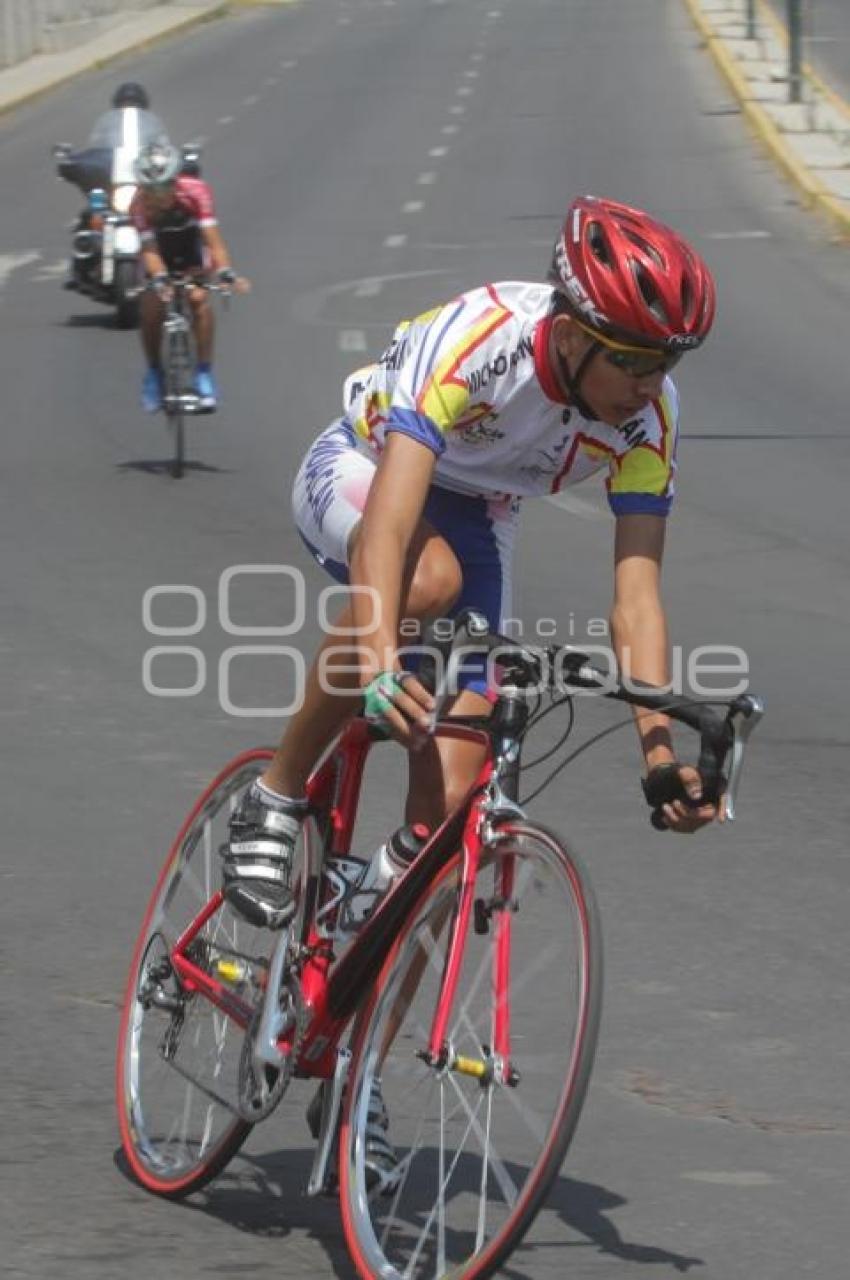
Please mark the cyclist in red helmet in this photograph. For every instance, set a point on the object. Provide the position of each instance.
(508, 391)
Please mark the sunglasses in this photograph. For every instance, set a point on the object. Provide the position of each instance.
(638, 362)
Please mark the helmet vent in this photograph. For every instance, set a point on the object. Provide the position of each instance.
(598, 244)
(650, 294)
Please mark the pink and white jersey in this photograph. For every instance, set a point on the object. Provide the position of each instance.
(193, 206)
(472, 381)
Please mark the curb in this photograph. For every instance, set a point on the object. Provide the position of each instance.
(143, 42)
(815, 193)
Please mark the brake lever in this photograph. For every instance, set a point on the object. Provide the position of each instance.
(745, 714)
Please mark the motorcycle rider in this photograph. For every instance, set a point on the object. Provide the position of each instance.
(114, 142)
(175, 217)
(105, 164)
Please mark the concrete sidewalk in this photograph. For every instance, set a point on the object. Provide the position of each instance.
(810, 139)
(132, 30)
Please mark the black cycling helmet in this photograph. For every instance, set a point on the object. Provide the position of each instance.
(131, 94)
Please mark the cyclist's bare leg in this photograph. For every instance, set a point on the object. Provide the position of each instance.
(432, 583)
(203, 320)
(151, 313)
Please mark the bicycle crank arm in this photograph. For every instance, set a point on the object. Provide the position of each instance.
(274, 1021)
(329, 1123)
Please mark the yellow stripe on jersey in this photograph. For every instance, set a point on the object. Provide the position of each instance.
(445, 396)
(648, 467)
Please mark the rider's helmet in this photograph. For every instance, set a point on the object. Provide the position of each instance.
(131, 94)
(158, 164)
(632, 279)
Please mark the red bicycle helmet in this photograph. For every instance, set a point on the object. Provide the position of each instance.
(632, 278)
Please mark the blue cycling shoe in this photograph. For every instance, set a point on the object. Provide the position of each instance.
(206, 391)
(152, 391)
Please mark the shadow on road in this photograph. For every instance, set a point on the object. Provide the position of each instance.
(91, 320)
(265, 1196)
(162, 467)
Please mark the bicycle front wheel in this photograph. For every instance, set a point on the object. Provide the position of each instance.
(479, 1137)
(178, 1052)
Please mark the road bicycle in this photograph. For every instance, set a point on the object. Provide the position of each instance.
(179, 398)
(470, 996)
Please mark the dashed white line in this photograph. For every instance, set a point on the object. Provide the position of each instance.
(225, 119)
(368, 288)
(737, 235)
(464, 91)
(426, 179)
(412, 206)
(437, 152)
(352, 340)
(395, 242)
(472, 75)
(476, 57)
(287, 66)
(10, 262)
(251, 100)
(449, 129)
(457, 111)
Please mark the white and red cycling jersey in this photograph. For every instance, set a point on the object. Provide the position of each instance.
(473, 382)
(193, 205)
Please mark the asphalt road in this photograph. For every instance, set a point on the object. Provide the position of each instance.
(371, 158)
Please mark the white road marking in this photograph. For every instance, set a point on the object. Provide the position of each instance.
(251, 100)
(737, 235)
(287, 66)
(733, 1178)
(472, 75)
(10, 262)
(457, 111)
(368, 288)
(395, 242)
(412, 206)
(51, 271)
(477, 57)
(426, 179)
(449, 129)
(577, 506)
(464, 91)
(352, 340)
(226, 119)
(437, 152)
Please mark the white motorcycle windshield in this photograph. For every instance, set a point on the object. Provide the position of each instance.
(124, 132)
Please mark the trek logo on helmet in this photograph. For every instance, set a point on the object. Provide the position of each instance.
(572, 286)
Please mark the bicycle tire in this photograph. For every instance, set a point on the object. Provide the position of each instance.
(160, 1152)
(384, 1228)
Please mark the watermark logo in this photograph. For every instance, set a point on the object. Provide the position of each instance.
(708, 671)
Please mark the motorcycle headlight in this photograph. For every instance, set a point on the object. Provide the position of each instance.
(122, 198)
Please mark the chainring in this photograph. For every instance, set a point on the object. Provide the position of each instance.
(260, 1092)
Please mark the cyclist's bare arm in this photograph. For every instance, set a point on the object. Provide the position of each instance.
(219, 255)
(392, 512)
(639, 635)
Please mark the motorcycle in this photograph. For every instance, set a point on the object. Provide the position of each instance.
(106, 250)
(105, 245)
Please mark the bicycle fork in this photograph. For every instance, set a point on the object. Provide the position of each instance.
(494, 1065)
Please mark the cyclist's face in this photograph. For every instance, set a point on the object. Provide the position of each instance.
(613, 393)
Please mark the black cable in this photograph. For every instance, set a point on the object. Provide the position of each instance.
(604, 733)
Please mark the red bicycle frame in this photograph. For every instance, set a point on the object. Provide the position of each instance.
(332, 992)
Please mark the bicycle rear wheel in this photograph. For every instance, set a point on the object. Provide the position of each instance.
(178, 1052)
(476, 1155)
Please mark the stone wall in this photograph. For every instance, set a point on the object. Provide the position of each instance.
(28, 27)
